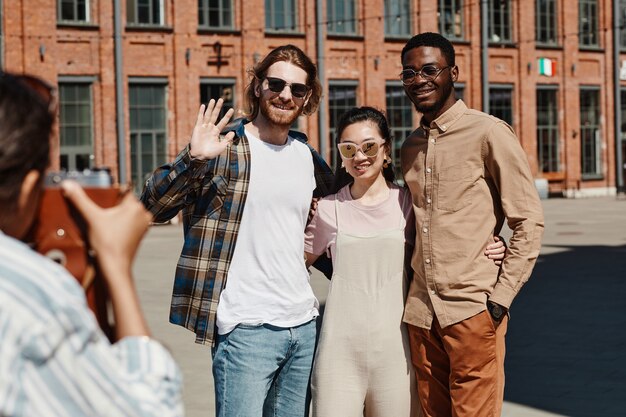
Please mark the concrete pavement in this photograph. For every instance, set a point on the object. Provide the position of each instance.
(567, 339)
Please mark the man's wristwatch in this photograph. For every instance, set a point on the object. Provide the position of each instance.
(496, 310)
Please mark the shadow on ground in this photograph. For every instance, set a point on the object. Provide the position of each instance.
(567, 337)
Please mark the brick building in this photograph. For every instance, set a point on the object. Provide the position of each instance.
(549, 71)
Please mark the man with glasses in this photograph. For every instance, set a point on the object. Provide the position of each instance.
(467, 172)
(241, 282)
(54, 359)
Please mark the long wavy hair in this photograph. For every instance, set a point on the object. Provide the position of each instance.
(357, 115)
(293, 55)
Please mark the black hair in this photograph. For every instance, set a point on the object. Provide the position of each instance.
(25, 126)
(356, 115)
(434, 40)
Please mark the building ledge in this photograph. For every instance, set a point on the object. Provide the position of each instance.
(206, 30)
(65, 24)
(149, 28)
(283, 34)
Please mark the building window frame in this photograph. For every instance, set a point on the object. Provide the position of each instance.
(78, 155)
(496, 108)
(546, 23)
(459, 91)
(448, 11)
(222, 84)
(588, 24)
(342, 18)
(548, 141)
(500, 22)
(80, 10)
(220, 16)
(350, 87)
(155, 13)
(154, 137)
(288, 13)
(590, 134)
(398, 22)
(399, 112)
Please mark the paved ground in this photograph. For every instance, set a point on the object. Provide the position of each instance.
(567, 338)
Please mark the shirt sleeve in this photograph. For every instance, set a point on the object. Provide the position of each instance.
(507, 165)
(321, 231)
(173, 185)
(69, 364)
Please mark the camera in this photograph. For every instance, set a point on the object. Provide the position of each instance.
(60, 233)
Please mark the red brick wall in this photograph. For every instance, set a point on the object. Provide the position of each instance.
(369, 58)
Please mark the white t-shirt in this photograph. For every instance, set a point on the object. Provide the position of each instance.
(268, 281)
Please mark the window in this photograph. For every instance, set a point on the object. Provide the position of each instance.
(622, 25)
(459, 91)
(341, 17)
(590, 133)
(451, 18)
(73, 10)
(500, 21)
(281, 15)
(588, 23)
(147, 130)
(145, 12)
(215, 14)
(546, 23)
(341, 97)
(397, 18)
(399, 116)
(76, 125)
(547, 130)
(501, 102)
(218, 88)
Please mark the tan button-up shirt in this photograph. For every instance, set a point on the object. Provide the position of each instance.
(466, 173)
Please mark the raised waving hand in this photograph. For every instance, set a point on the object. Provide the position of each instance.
(206, 142)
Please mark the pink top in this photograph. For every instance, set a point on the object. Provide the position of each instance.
(358, 219)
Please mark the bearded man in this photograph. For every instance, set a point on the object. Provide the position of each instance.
(245, 190)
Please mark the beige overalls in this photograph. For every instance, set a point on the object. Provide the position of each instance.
(362, 365)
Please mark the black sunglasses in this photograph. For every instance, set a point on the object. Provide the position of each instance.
(277, 85)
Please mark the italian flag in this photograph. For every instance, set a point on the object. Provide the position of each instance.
(546, 67)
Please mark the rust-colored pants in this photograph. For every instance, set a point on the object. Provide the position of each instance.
(460, 369)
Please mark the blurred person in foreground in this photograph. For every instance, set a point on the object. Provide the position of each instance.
(54, 359)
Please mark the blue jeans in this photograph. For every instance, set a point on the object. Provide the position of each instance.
(264, 371)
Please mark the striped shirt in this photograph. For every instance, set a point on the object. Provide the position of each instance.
(211, 195)
(55, 360)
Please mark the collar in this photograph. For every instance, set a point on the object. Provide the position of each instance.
(238, 126)
(448, 118)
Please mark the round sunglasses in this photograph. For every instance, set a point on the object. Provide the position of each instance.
(277, 85)
(348, 150)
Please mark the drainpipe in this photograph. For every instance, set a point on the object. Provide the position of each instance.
(321, 113)
(619, 157)
(119, 93)
(484, 53)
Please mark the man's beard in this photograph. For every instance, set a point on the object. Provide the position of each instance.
(445, 90)
(276, 117)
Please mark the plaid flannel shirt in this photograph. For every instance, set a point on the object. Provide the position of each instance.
(212, 196)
